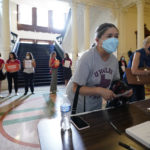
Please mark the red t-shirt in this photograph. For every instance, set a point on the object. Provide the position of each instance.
(1, 62)
(16, 61)
(52, 63)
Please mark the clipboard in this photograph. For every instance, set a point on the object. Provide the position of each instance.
(137, 79)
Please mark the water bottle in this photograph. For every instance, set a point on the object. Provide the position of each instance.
(65, 114)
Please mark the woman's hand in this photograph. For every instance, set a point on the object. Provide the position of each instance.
(107, 94)
(129, 94)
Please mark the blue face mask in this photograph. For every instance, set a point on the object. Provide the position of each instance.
(110, 45)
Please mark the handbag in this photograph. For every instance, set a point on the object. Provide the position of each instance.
(118, 87)
(137, 79)
(3, 75)
(75, 101)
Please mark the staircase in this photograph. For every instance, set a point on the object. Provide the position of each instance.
(41, 54)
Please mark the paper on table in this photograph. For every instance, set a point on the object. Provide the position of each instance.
(141, 133)
(123, 94)
(67, 64)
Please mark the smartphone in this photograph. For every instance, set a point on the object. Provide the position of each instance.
(79, 123)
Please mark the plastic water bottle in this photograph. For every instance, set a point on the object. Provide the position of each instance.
(65, 114)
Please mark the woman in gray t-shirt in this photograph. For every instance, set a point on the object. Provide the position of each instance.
(95, 71)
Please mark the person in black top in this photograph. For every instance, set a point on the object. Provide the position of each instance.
(122, 66)
(67, 63)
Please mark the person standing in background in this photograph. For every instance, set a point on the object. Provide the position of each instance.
(1, 73)
(53, 64)
(130, 53)
(29, 65)
(12, 67)
(140, 58)
(67, 63)
(122, 66)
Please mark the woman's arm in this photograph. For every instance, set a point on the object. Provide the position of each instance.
(51, 63)
(23, 63)
(33, 63)
(2, 66)
(135, 63)
(87, 91)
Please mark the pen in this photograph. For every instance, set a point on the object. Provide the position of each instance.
(126, 146)
(115, 128)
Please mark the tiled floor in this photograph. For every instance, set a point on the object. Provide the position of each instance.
(19, 116)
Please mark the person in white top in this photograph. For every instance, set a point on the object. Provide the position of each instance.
(29, 65)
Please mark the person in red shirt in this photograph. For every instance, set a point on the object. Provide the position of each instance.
(67, 63)
(53, 64)
(13, 74)
(122, 66)
(1, 73)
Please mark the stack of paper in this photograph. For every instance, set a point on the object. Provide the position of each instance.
(141, 133)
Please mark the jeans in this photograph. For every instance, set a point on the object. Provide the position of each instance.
(10, 77)
(29, 81)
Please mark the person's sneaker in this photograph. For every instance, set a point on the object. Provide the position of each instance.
(53, 92)
(25, 93)
(9, 94)
(1, 96)
(16, 94)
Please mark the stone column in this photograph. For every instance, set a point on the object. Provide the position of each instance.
(74, 35)
(122, 32)
(5, 29)
(5, 33)
(140, 23)
(86, 28)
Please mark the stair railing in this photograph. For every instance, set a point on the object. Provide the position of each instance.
(14, 42)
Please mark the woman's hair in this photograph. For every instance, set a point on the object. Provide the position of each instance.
(130, 53)
(30, 54)
(121, 57)
(146, 41)
(103, 28)
(67, 56)
(14, 55)
(52, 54)
(0, 54)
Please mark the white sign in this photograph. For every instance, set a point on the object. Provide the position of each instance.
(67, 64)
(28, 64)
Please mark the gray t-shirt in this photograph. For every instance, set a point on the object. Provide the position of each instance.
(92, 71)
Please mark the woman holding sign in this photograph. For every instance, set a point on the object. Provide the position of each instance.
(12, 67)
(29, 65)
(54, 64)
(67, 63)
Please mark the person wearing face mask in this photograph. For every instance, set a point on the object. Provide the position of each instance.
(122, 66)
(140, 58)
(29, 65)
(96, 70)
(12, 67)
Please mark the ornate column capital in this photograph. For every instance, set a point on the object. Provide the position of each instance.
(140, 2)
